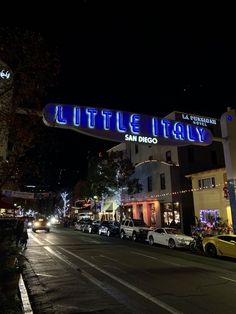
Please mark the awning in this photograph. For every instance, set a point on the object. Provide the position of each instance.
(6, 205)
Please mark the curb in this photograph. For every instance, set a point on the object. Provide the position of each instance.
(27, 309)
(37, 295)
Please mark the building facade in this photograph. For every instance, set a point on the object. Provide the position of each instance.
(166, 198)
(211, 198)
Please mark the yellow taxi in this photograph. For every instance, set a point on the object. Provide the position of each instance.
(220, 245)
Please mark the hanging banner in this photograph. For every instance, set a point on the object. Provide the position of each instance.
(18, 194)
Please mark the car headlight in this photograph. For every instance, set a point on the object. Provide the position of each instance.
(48, 224)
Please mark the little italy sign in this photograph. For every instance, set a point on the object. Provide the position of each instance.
(121, 126)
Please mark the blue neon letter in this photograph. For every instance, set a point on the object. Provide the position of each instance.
(119, 122)
(91, 112)
(178, 131)
(201, 134)
(106, 119)
(166, 125)
(59, 115)
(76, 116)
(190, 134)
(154, 127)
(134, 123)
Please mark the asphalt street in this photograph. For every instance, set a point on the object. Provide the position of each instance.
(69, 271)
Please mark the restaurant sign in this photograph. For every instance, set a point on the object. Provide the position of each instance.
(121, 126)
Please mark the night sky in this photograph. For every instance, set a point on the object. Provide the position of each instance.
(143, 59)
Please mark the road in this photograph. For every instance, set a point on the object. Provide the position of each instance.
(87, 273)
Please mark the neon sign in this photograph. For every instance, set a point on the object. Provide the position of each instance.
(4, 74)
(121, 126)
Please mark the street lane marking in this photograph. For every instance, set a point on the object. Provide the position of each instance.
(144, 294)
(49, 241)
(36, 239)
(60, 257)
(222, 277)
(158, 259)
(45, 275)
(109, 258)
(39, 242)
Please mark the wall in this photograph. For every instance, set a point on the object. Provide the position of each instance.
(211, 198)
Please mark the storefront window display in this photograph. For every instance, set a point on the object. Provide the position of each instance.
(171, 215)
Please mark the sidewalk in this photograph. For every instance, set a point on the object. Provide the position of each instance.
(33, 296)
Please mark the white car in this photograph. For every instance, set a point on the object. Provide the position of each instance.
(169, 237)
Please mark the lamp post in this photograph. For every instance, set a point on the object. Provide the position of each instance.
(228, 129)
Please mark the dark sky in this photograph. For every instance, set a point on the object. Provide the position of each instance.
(146, 59)
(142, 58)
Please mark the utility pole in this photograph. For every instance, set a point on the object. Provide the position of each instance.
(6, 94)
(228, 129)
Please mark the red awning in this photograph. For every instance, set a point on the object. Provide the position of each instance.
(6, 205)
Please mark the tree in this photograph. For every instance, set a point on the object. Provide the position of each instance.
(33, 68)
(110, 174)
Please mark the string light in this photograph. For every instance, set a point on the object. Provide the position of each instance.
(158, 196)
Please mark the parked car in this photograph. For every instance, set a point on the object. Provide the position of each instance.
(171, 237)
(85, 225)
(94, 226)
(134, 229)
(109, 228)
(79, 225)
(220, 245)
(41, 224)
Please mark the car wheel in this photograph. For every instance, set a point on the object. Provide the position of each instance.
(192, 246)
(171, 244)
(151, 240)
(134, 236)
(122, 234)
(211, 250)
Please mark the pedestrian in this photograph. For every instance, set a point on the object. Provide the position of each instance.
(19, 230)
(24, 238)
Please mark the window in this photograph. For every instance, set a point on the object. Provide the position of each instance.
(206, 183)
(162, 181)
(149, 183)
(227, 239)
(209, 215)
(136, 148)
(168, 156)
(159, 231)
